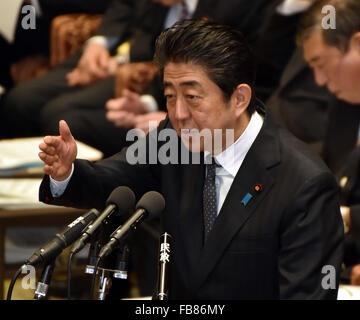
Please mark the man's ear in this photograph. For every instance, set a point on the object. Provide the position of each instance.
(355, 42)
(241, 98)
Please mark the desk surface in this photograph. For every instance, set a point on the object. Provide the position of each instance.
(39, 216)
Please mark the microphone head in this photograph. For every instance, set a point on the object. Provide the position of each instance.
(153, 202)
(123, 197)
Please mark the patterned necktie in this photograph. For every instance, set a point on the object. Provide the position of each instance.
(209, 199)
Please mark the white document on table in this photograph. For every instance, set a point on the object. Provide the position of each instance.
(9, 14)
(348, 292)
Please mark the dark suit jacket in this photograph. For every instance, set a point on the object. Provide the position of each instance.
(273, 247)
(341, 133)
(299, 104)
(348, 179)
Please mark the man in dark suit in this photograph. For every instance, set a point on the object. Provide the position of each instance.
(78, 89)
(257, 218)
(334, 55)
(291, 94)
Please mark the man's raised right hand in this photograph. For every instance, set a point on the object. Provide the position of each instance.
(58, 153)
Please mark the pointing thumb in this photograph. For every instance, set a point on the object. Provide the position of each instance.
(64, 130)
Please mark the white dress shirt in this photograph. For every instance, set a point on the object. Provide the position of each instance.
(232, 158)
(57, 188)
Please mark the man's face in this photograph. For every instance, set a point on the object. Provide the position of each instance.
(167, 3)
(194, 101)
(338, 70)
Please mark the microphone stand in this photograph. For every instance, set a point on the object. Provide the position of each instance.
(120, 272)
(92, 257)
(44, 282)
(122, 261)
(92, 264)
(104, 284)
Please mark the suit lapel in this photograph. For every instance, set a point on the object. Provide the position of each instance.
(257, 168)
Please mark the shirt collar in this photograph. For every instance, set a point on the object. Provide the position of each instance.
(232, 158)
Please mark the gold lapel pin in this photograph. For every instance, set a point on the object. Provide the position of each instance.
(258, 187)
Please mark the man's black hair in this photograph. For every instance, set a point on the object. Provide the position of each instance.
(220, 49)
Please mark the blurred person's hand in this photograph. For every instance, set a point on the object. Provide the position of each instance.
(58, 153)
(134, 76)
(95, 64)
(142, 121)
(129, 112)
(122, 111)
(128, 101)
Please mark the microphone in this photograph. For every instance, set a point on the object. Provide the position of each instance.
(62, 239)
(121, 199)
(164, 260)
(151, 203)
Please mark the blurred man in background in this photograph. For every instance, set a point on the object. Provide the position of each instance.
(333, 53)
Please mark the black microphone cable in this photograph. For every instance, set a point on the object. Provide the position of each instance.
(13, 280)
(69, 276)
